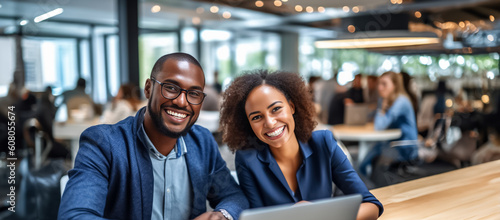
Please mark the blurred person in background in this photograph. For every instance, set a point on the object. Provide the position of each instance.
(217, 85)
(396, 111)
(491, 149)
(77, 99)
(433, 107)
(312, 87)
(124, 104)
(336, 107)
(412, 91)
(355, 93)
(325, 91)
(371, 96)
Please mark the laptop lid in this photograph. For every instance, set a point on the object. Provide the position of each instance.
(338, 208)
(356, 114)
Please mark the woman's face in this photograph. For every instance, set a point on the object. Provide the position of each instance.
(270, 116)
(385, 86)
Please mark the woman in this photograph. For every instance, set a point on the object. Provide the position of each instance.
(269, 118)
(396, 111)
(125, 103)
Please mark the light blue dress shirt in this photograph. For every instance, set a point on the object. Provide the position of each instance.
(172, 198)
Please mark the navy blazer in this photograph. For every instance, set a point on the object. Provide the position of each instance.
(323, 163)
(113, 175)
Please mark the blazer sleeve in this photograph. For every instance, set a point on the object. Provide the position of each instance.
(87, 187)
(224, 192)
(344, 175)
(247, 182)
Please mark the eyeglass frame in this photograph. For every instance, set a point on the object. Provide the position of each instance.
(180, 91)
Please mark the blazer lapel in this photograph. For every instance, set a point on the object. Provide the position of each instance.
(197, 177)
(144, 168)
(265, 156)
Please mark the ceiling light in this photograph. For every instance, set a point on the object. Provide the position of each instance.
(355, 9)
(399, 2)
(492, 18)
(309, 9)
(259, 3)
(298, 8)
(418, 14)
(351, 28)
(485, 98)
(394, 2)
(490, 37)
(321, 9)
(23, 22)
(226, 15)
(449, 103)
(48, 15)
(461, 24)
(200, 10)
(284, 0)
(156, 9)
(345, 8)
(214, 9)
(490, 75)
(196, 20)
(278, 3)
(375, 42)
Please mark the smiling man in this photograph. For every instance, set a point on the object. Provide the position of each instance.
(158, 164)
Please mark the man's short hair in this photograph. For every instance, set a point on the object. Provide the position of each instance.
(81, 83)
(176, 56)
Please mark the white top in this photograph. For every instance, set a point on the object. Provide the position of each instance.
(122, 110)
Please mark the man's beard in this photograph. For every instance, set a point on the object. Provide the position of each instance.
(159, 123)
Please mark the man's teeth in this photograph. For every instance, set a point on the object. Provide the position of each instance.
(276, 133)
(175, 114)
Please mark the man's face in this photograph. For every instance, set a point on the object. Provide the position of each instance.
(174, 117)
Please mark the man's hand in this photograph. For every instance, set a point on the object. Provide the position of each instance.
(211, 216)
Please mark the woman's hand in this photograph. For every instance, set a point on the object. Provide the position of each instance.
(367, 210)
(302, 202)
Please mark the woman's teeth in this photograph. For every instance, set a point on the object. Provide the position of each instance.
(175, 114)
(276, 133)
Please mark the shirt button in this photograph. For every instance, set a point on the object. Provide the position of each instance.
(168, 190)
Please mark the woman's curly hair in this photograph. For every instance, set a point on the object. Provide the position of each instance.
(237, 132)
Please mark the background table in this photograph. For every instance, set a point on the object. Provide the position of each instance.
(71, 131)
(467, 193)
(363, 134)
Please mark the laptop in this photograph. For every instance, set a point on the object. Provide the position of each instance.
(356, 114)
(338, 208)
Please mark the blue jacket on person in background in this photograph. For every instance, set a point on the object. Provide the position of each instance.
(400, 116)
(324, 163)
(113, 175)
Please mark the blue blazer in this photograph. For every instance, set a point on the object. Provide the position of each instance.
(113, 175)
(324, 163)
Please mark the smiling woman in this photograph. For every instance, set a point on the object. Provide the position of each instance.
(268, 117)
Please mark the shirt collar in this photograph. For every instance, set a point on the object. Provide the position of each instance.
(179, 149)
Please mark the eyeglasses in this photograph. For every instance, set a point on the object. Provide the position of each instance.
(172, 91)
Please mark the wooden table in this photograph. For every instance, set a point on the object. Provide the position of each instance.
(468, 193)
(363, 134)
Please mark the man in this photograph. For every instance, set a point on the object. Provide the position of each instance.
(158, 164)
(355, 93)
(76, 98)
